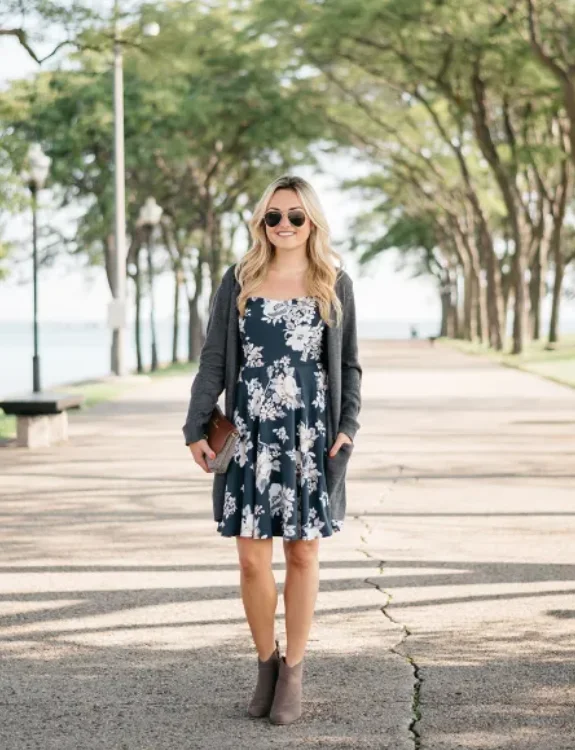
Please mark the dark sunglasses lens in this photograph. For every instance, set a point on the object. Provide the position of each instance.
(297, 218)
(273, 218)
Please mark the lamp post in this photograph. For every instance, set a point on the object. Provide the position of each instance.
(117, 309)
(149, 218)
(35, 174)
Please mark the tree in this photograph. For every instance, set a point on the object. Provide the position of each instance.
(207, 124)
(495, 111)
(31, 21)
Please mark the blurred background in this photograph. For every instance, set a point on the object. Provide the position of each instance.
(440, 137)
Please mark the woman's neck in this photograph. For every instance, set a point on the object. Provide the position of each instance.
(291, 263)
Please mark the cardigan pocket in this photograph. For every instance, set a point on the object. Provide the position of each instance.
(336, 468)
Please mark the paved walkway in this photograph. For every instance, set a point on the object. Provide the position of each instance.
(445, 617)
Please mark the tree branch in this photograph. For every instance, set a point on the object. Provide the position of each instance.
(22, 38)
(536, 44)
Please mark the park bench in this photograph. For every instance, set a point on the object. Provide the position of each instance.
(41, 418)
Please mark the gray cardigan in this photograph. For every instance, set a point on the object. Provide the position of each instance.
(220, 360)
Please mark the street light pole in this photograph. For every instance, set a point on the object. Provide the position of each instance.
(118, 315)
(34, 175)
(150, 215)
(117, 312)
(154, 344)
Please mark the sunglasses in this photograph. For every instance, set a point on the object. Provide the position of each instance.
(295, 215)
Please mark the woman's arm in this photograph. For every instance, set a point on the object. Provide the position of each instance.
(209, 381)
(351, 370)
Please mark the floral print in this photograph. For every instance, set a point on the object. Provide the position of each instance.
(275, 483)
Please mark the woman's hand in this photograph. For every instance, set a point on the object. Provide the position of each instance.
(339, 441)
(198, 450)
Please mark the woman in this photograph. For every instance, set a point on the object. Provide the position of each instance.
(282, 341)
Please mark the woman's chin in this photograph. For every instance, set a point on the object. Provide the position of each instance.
(288, 243)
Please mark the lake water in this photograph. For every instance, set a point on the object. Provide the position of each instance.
(70, 352)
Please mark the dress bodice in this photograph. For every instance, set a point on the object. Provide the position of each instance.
(296, 329)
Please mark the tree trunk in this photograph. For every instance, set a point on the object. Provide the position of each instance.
(556, 250)
(535, 296)
(456, 326)
(506, 291)
(539, 267)
(445, 307)
(153, 338)
(469, 304)
(557, 287)
(493, 310)
(494, 301)
(450, 301)
(138, 317)
(194, 330)
(176, 321)
(483, 321)
(195, 334)
(506, 182)
(452, 329)
(519, 295)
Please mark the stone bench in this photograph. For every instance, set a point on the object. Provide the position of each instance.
(41, 418)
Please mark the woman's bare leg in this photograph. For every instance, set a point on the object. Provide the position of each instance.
(259, 592)
(300, 594)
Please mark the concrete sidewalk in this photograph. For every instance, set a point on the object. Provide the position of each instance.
(445, 617)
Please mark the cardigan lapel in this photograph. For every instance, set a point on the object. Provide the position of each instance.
(333, 344)
(232, 352)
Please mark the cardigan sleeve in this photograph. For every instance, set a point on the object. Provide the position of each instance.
(351, 370)
(209, 381)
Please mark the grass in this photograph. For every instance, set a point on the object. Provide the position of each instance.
(96, 391)
(556, 363)
(180, 368)
(7, 426)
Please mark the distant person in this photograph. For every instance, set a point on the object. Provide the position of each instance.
(288, 312)
(413, 332)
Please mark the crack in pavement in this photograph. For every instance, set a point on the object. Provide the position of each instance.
(398, 647)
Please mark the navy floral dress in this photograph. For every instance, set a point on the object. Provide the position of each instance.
(275, 483)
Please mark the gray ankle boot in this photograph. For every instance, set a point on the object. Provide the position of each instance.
(263, 696)
(287, 700)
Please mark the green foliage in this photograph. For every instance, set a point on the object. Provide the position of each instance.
(404, 84)
(4, 252)
(211, 115)
(36, 22)
(460, 110)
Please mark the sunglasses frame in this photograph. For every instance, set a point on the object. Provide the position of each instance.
(281, 215)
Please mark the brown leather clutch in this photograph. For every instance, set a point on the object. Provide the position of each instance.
(222, 436)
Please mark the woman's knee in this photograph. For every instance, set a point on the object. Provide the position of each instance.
(254, 556)
(302, 554)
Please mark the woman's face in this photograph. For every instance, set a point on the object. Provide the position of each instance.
(286, 235)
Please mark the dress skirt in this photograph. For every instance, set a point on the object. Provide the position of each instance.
(275, 483)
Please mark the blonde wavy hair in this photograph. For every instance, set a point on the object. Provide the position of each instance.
(321, 275)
